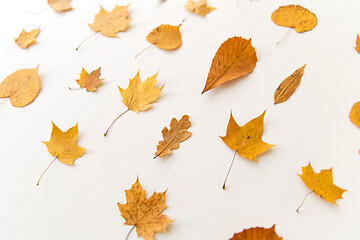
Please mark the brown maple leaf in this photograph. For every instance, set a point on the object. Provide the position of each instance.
(90, 81)
(172, 138)
(144, 213)
(235, 58)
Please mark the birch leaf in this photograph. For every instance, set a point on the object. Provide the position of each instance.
(165, 37)
(60, 5)
(257, 233)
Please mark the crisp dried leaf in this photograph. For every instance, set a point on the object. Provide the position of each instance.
(355, 114)
(357, 44)
(321, 183)
(172, 138)
(62, 145)
(235, 58)
(294, 16)
(138, 96)
(25, 39)
(110, 23)
(60, 5)
(200, 7)
(165, 36)
(21, 87)
(144, 213)
(288, 86)
(257, 233)
(246, 140)
(90, 81)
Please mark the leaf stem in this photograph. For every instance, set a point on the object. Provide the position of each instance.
(38, 182)
(297, 210)
(143, 50)
(232, 162)
(12, 48)
(3, 101)
(92, 35)
(115, 121)
(286, 33)
(74, 88)
(40, 11)
(127, 236)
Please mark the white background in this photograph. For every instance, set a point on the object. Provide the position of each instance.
(79, 202)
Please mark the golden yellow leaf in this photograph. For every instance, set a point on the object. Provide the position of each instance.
(60, 5)
(235, 58)
(294, 16)
(288, 86)
(25, 39)
(90, 81)
(165, 36)
(21, 87)
(110, 23)
(178, 133)
(355, 114)
(357, 44)
(62, 145)
(246, 140)
(144, 213)
(321, 183)
(138, 96)
(257, 233)
(200, 7)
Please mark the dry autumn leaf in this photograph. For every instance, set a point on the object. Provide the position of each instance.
(321, 183)
(173, 137)
(200, 7)
(144, 213)
(288, 86)
(355, 114)
(90, 81)
(294, 16)
(110, 23)
(257, 233)
(165, 37)
(235, 58)
(357, 47)
(25, 39)
(62, 146)
(246, 140)
(60, 5)
(21, 87)
(138, 96)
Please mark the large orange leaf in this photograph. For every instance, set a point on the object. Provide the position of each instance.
(257, 233)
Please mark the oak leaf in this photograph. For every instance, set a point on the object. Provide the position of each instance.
(144, 213)
(21, 87)
(62, 145)
(357, 47)
(257, 233)
(138, 96)
(288, 86)
(172, 138)
(235, 58)
(60, 5)
(355, 114)
(25, 39)
(200, 7)
(165, 37)
(90, 81)
(247, 139)
(321, 183)
(110, 23)
(294, 16)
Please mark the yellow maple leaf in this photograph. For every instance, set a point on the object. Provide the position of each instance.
(25, 39)
(110, 23)
(246, 140)
(172, 138)
(288, 86)
(321, 183)
(236, 57)
(200, 7)
(90, 81)
(357, 47)
(144, 213)
(257, 233)
(21, 87)
(60, 5)
(165, 37)
(294, 16)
